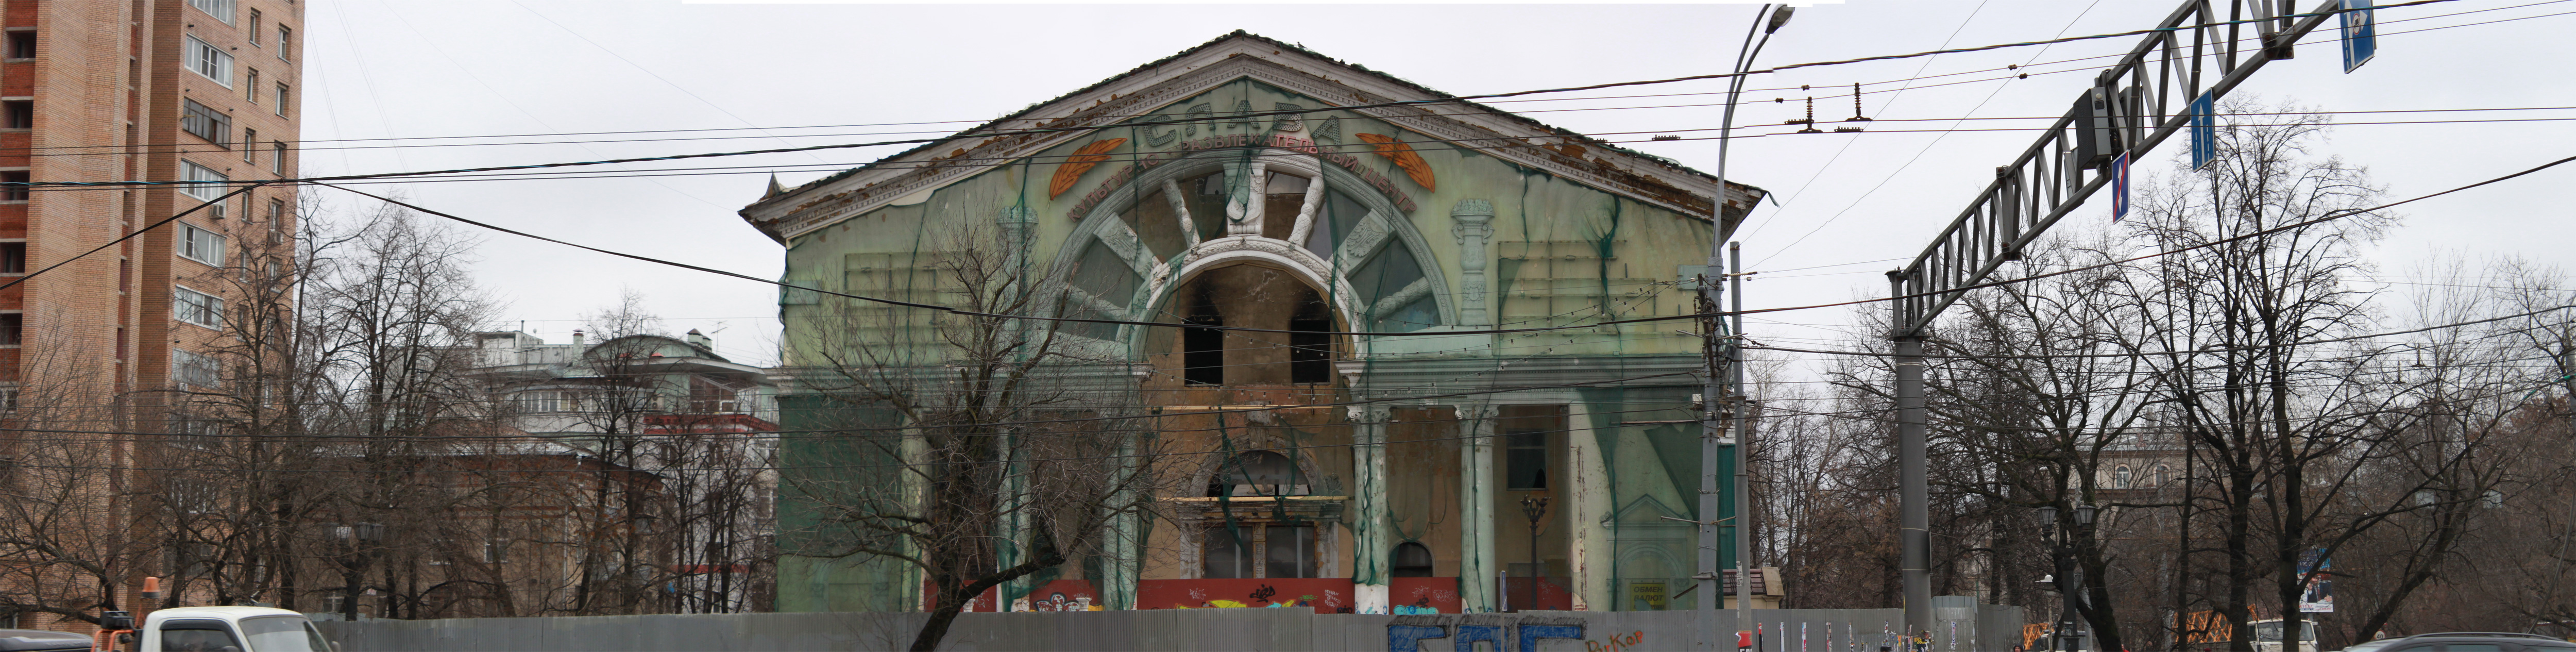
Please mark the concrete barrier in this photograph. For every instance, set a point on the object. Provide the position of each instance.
(1784, 630)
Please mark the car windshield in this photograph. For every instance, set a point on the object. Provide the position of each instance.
(283, 634)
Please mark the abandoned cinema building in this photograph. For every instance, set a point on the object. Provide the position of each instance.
(1249, 183)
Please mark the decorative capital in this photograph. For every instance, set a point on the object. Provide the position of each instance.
(1474, 218)
(1472, 208)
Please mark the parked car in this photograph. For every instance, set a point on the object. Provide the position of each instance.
(2475, 642)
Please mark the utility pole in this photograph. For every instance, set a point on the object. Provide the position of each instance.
(1743, 444)
(1713, 438)
(2131, 107)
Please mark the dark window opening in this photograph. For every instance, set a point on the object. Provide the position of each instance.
(1526, 454)
(12, 325)
(13, 258)
(13, 192)
(1525, 433)
(1310, 345)
(22, 45)
(1412, 559)
(1203, 349)
(21, 114)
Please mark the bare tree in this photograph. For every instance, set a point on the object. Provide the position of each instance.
(995, 447)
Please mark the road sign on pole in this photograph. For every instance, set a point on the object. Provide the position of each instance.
(2204, 131)
(2120, 187)
(2360, 34)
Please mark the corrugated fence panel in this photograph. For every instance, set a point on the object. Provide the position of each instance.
(1820, 630)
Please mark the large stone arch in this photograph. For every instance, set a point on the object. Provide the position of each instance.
(1157, 279)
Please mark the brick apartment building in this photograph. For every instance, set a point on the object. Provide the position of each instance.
(163, 90)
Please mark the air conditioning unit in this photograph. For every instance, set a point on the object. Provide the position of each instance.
(214, 211)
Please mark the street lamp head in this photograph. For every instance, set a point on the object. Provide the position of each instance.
(2047, 515)
(2084, 514)
(1779, 17)
(1534, 506)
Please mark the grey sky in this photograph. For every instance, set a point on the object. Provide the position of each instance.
(380, 68)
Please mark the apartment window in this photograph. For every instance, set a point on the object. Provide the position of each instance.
(13, 192)
(21, 114)
(276, 221)
(196, 369)
(205, 122)
(201, 245)
(281, 99)
(277, 156)
(22, 44)
(220, 9)
(496, 552)
(8, 403)
(251, 89)
(12, 327)
(203, 182)
(197, 308)
(253, 29)
(13, 258)
(2120, 477)
(285, 40)
(250, 154)
(210, 61)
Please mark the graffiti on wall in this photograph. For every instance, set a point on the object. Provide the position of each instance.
(1497, 632)
(1323, 595)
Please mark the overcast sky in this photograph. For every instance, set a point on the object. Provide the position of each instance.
(811, 74)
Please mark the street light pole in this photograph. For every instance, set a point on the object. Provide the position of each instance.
(2069, 576)
(1534, 506)
(1713, 434)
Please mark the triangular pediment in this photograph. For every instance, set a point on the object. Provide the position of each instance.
(1218, 90)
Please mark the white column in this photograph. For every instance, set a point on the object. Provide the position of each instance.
(1476, 556)
(1118, 564)
(1369, 520)
(1587, 502)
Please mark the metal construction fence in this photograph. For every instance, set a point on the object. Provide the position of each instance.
(1783, 630)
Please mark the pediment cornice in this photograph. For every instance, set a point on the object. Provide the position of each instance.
(1493, 132)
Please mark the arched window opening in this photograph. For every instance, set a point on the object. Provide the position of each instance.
(1286, 194)
(1335, 220)
(1106, 284)
(2161, 474)
(1412, 559)
(1252, 296)
(1257, 473)
(2120, 477)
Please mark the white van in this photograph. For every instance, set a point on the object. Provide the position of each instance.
(230, 629)
(2267, 636)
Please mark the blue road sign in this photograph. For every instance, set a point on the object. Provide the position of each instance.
(2360, 34)
(2120, 187)
(2204, 131)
